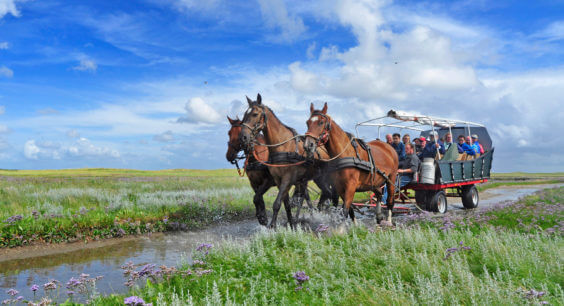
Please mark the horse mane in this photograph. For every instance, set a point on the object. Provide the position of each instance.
(254, 103)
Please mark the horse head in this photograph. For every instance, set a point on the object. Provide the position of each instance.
(318, 128)
(253, 122)
(234, 144)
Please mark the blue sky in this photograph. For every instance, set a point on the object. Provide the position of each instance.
(147, 84)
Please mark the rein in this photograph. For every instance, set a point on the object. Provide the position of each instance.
(276, 165)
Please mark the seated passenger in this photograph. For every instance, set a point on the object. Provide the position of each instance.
(419, 144)
(448, 141)
(389, 139)
(406, 139)
(470, 148)
(432, 146)
(460, 143)
(407, 171)
(398, 146)
(475, 141)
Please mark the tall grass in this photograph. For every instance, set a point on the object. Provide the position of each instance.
(480, 262)
(53, 209)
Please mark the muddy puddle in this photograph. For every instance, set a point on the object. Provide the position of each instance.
(24, 267)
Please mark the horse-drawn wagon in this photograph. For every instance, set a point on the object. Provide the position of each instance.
(448, 175)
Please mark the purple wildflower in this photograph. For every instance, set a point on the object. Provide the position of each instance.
(322, 228)
(49, 286)
(20, 298)
(300, 277)
(134, 301)
(13, 219)
(165, 219)
(12, 292)
(204, 248)
(70, 293)
(34, 288)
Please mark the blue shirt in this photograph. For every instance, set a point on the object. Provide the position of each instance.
(430, 150)
(400, 149)
(470, 149)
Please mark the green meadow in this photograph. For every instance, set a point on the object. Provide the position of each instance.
(510, 254)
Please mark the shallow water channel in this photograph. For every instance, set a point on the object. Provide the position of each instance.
(23, 267)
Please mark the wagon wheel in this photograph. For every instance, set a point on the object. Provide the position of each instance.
(470, 198)
(438, 203)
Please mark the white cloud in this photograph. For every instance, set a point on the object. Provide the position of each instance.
(85, 148)
(198, 111)
(6, 72)
(8, 7)
(4, 45)
(31, 150)
(167, 136)
(2, 109)
(81, 148)
(310, 50)
(554, 31)
(276, 16)
(47, 111)
(86, 65)
(4, 129)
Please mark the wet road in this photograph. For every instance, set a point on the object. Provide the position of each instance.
(23, 267)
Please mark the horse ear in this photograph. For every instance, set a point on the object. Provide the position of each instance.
(324, 110)
(259, 99)
(311, 108)
(249, 101)
(231, 121)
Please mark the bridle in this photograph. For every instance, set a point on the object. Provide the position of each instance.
(239, 157)
(258, 126)
(324, 135)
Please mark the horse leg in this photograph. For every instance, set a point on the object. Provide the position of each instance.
(348, 199)
(391, 195)
(258, 200)
(308, 201)
(283, 189)
(326, 192)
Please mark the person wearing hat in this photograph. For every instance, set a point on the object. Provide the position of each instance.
(475, 141)
(419, 145)
(432, 146)
(469, 147)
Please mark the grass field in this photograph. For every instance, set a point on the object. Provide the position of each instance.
(68, 205)
(38, 206)
(511, 254)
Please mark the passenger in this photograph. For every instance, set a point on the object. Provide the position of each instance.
(430, 149)
(470, 148)
(448, 140)
(389, 139)
(407, 171)
(419, 145)
(406, 139)
(475, 141)
(460, 143)
(398, 146)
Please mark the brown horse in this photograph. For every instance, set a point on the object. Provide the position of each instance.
(283, 143)
(258, 174)
(321, 129)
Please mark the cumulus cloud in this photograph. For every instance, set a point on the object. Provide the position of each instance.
(198, 111)
(167, 136)
(276, 16)
(86, 65)
(85, 148)
(4, 45)
(6, 72)
(81, 148)
(8, 7)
